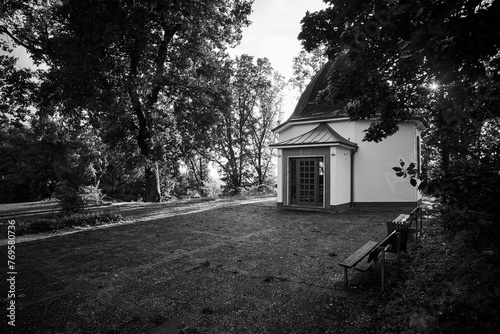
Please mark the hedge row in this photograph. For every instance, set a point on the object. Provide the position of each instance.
(45, 224)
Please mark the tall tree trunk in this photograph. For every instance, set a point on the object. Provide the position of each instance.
(152, 184)
(151, 170)
(145, 145)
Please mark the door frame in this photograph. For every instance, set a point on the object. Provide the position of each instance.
(319, 204)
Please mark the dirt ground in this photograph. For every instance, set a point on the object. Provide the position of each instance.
(213, 267)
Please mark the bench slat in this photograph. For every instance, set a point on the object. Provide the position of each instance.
(358, 255)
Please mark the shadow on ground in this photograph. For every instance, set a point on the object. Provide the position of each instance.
(235, 268)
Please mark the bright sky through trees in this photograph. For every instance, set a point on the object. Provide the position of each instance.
(273, 34)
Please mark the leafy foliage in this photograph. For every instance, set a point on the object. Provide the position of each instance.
(17, 87)
(449, 285)
(47, 152)
(386, 53)
(25, 173)
(469, 193)
(427, 61)
(149, 70)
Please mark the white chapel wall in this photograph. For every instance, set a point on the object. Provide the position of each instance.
(340, 182)
(374, 179)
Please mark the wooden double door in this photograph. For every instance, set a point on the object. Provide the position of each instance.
(307, 181)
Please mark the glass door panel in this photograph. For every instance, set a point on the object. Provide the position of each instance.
(306, 181)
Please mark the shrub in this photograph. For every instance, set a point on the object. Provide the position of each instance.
(259, 190)
(69, 199)
(91, 195)
(73, 201)
(45, 224)
(39, 226)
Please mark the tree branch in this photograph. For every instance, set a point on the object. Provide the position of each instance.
(19, 42)
(160, 81)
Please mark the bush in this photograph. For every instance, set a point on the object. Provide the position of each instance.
(45, 224)
(259, 190)
(73, 201)
(69, 199)
(91, 195)
(36, 226)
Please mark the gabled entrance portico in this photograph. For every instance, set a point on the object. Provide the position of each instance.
(310, 161)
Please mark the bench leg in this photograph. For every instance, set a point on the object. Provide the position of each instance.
(382, 271)
(345, 277)
(418, 216)
(421, 222)
(398, 240)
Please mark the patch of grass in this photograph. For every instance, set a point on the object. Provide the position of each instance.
(54, 222)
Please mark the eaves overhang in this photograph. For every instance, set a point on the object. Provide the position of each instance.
(301, 121)
(352, 147)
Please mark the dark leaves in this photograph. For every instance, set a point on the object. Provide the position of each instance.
(409, 171)
(413, 182)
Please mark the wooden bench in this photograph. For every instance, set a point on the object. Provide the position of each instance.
(403, 223)
(368, 256)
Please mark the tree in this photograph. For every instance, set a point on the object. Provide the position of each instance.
(249, 112)
(232, 131)
(21, 178)
(197, 167)
(45, 152)
(264, 119)
(386, 53)
(132, 68)
(397, 60)
(305, 66)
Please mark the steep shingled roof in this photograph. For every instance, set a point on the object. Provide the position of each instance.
(312, 107)
(323, 134)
